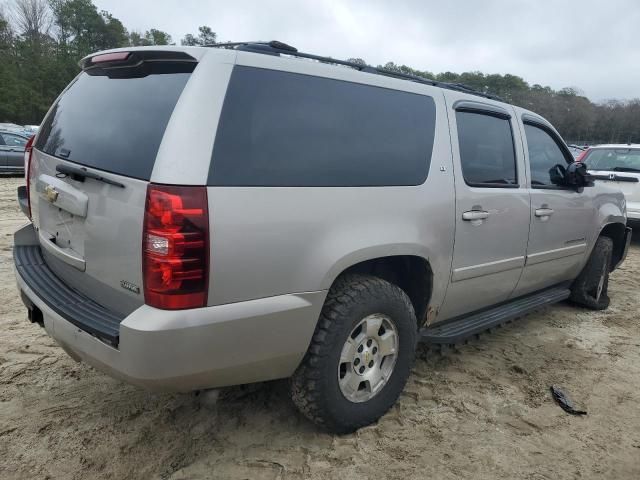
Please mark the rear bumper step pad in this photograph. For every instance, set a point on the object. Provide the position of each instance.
(458, 330)
(68, 303)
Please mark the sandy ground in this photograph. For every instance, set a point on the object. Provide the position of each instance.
(483, 411)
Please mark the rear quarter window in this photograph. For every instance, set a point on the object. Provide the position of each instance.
(112, 124)
(286, 129)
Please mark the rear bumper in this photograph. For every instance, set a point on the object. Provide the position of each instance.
(184, 350)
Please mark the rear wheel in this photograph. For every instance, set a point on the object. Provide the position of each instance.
(591, 287)
(360, 356)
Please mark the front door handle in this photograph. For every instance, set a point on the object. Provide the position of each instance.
(544, 212)
(472, 215)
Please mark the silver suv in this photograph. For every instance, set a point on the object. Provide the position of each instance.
(203, 217)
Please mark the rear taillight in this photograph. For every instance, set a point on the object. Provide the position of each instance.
(175, 247)
(580, 157)
(28, 152)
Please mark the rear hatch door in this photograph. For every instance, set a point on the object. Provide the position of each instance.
(92, 161)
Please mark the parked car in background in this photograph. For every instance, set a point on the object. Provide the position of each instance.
(619, 165)
(12, 151)
(32, 128)
(12, 127)
(27, 130)
(315, 224)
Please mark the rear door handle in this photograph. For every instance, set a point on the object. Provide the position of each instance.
(472, 215)
(544, 212)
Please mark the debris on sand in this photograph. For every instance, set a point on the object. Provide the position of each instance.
(564, 401)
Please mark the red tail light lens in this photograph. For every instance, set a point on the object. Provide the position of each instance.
(28, 151)
(175, 246)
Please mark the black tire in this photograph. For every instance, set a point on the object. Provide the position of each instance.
(315, 388)
(594, 277)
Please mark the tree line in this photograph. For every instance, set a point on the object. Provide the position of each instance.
(41, 42)
(576, 117)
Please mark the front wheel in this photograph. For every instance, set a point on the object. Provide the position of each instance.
(591, 287)
(360, 356)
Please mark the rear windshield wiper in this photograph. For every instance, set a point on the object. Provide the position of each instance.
(80, 174)
(626, 169)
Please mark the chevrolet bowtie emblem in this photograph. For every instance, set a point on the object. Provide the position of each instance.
(51, 193)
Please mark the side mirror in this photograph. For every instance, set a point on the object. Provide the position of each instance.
(577, 176)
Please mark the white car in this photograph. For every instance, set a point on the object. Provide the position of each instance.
(618, 164)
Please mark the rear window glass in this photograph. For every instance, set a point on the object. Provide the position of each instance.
(616, 159)
(112, 124)
(286, 129)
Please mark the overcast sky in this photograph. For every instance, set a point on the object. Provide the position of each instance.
(590, 44)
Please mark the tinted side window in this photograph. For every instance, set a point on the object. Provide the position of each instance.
(546, 160)
(286, 129)
(112, 124)
(486, 150)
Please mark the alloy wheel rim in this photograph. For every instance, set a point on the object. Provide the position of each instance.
(368, 358)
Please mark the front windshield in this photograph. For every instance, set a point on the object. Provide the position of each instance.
(616, 159)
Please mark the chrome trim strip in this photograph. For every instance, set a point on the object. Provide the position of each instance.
(497, 266)
(547, 256)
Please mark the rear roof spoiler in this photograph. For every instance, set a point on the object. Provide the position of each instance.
(136, 63)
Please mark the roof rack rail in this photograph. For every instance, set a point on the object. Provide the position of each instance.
(275, 47)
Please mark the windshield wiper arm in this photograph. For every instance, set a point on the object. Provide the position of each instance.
(80, 174)
(626, 169)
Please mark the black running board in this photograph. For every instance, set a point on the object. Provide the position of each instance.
(458, 330)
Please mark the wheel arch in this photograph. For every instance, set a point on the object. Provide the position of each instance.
(616, 232)
(410, 272)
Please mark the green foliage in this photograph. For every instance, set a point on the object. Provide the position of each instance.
(357, 61)
(407, 70)
(80, 29)
(8, 73)
(150, 37)
(205, 36)
(574, 115)
(41, 44)
(40, 49)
